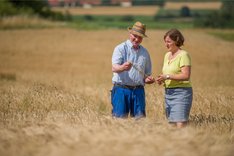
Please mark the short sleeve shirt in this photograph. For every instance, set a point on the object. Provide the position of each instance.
(174, 67)
(141, 61)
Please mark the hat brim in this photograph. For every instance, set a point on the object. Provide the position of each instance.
(136, 33)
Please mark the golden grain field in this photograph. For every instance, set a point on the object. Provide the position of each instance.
(193, 5)
(55, 101)
(102, 10)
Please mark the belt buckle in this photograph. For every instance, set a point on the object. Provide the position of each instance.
(127, 86)
(132, 87)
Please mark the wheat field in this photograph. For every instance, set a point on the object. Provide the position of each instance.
(193, 5)
(55, 100)
(103, 10)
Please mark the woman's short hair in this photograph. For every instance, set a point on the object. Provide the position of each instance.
(176, 36)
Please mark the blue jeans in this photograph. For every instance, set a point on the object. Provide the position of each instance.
(125, 101)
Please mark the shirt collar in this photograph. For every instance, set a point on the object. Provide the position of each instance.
(129, 43)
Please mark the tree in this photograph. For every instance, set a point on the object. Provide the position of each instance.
(149, 2)
(228, 8)
(36, 5)
(219, 19)
(185, 11)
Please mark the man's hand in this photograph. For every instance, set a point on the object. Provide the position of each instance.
(149, 80)
(126, 66)
(123, 67)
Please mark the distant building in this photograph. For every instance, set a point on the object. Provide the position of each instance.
(53, 2)
(91, 2)
(120, 1)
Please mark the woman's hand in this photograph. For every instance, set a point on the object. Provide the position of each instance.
(160, 79)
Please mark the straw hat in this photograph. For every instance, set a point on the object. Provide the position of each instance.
(138, 29)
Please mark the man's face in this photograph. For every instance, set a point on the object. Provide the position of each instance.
(136, 40)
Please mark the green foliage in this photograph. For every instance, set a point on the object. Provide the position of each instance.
(218, 19)
(185, 11)
(207, 21)
(106, 2)
(149, 2)
(48, 14)
(228, 7)
(123, 22)
(88, 17)
(215, 20)
(34, 7)
(228, 36)
(193, 0)
(6, 8)
(127, 18)
(166, 14)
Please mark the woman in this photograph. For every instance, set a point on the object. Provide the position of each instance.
(176, 79)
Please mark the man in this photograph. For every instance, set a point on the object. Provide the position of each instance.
(131, 66)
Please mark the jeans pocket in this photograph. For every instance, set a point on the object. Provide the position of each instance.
(112, 91)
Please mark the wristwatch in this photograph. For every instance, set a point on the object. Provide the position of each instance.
(167, 77)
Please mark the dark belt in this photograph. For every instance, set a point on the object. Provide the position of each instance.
(129, 87)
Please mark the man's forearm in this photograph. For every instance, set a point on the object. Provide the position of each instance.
(117, 68)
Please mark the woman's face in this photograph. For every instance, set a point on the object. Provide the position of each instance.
(136, 40)
(170, 44)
